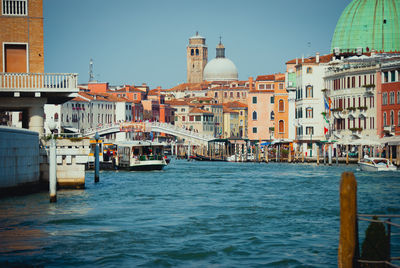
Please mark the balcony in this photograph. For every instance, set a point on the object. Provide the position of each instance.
(58, 88)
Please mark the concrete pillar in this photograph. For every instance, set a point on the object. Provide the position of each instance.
(53, 171)
(348, 239)
(36, 118)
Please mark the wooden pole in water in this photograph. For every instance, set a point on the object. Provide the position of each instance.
(302, 155)
(348, 240)
(390, 154)
(330, 155)
(289, 154)
(317, 155)
(347, 154)
(398, 154)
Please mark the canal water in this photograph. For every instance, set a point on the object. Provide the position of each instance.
(193, 214)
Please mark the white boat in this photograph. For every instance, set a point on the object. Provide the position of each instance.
(376, 164)
(140, 156)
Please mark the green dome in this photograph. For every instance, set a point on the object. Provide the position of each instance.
(373, 24)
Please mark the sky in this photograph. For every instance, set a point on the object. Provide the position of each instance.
(144, 41)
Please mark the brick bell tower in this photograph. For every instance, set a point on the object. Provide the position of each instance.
(197, 55)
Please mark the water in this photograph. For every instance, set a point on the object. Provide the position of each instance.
(193, 214)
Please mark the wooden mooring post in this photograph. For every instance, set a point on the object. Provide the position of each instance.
(348, 251)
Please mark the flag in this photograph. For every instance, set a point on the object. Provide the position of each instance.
(326, 120)
(330, 105)
(326, 104)
(325, 130)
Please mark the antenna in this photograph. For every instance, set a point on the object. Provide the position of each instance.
(91, 75)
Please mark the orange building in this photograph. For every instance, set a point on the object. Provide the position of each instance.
(281, 108)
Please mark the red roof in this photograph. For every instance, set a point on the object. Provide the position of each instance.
(322, 59)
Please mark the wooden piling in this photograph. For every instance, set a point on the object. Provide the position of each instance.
(347, 154)
(289, 155)
(317, 155)
(348, 240)
(302, 156)
(390, 154)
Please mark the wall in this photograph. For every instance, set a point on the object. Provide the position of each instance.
(25, 29)
(19, 157)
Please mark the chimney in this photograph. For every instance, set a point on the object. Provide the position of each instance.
(297, 61)
(302, 59)
(317, 57)
(250, 83)
(373, 52)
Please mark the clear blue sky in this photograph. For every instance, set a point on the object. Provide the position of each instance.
(144, 41)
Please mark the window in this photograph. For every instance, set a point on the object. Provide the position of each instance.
(15, 7)
(216, 94)
(384, 120)
(191, 118)
(391, 100)
(225, 94)
(183, 118)
(309, 130)
(309, 91)
(398, 97)
(56, 117)
(254, 130)
(254, 100)
(238, 94)
(192, 52)
(261, 86)
(254, 115)
(281, 106)
(281, 126)
(309, 70)
(280, 85)
(198, 118)
(391, 118)
(197, 51)
(309, 112)
(231, 94)
(272, 116)
(182, 109)
(272, 99)
(384, 98)
(398, 118)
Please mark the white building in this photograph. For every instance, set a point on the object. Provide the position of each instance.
(89, 111)
(309, 105)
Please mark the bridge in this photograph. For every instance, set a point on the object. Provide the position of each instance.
(189, 136)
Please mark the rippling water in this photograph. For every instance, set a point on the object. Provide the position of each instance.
(193, 214)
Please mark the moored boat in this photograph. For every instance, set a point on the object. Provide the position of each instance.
(376, 164)
(141, 156)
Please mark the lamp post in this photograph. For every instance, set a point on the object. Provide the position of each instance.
(53, 164)
(96, 158)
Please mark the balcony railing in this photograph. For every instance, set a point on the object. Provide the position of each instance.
(15, 7)
(31, 81)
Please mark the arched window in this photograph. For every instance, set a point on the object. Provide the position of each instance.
(192, 52)
(197, 51)
(391, 118)
(309, 92)
(398, 97)
(254, 115)
(384, 119)
(281, 106)
(56, 117)
(398, 118)
(272, 115)
(281, 126)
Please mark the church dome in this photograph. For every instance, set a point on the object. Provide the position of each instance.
(220, 69)
(372, 24)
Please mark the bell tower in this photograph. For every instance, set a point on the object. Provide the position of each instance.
(197, 55)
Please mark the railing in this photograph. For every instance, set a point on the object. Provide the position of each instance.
(27, 81)
(389, 223)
